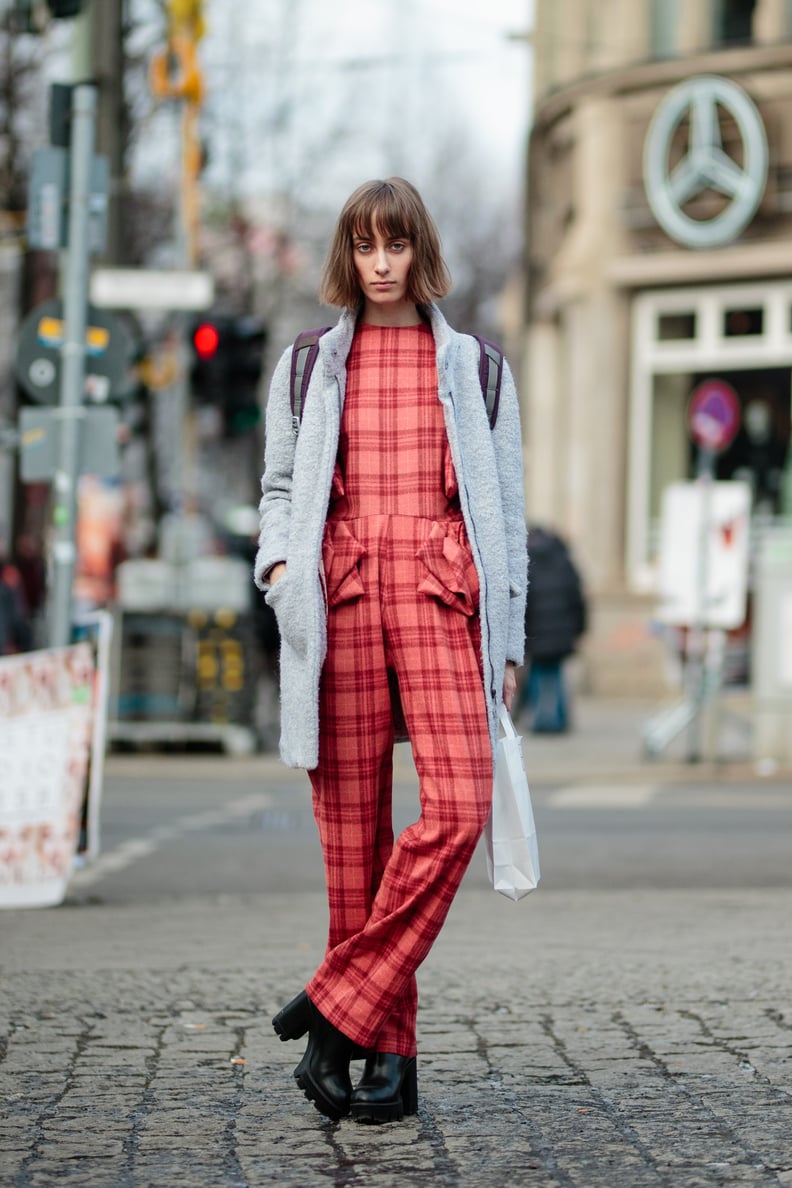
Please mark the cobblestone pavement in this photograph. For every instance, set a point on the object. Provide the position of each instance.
(607, 1039)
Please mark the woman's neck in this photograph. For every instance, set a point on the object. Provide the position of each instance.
(405, 314)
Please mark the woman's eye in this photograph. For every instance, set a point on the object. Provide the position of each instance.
(364, 247)
(398, 245)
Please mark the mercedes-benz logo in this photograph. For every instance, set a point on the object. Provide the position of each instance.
(706, 165)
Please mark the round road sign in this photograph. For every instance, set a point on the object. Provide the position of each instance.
(714, 414)
(108, 352)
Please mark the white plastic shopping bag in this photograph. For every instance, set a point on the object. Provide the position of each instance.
(510, 834)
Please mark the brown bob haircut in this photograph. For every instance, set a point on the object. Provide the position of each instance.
(399, 213)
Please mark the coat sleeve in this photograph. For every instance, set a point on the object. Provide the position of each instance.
(507, 442)
(276, 482)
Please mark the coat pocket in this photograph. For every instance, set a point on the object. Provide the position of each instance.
(291, 612)
(341, 557)
(449, 570)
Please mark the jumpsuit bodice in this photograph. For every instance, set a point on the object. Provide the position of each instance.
(393, 454)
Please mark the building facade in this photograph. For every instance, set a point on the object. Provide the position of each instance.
(659, 256)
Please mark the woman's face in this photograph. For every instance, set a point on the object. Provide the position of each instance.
(383, 268)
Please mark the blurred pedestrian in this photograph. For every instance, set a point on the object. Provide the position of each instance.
(555, 619)
(392, 550)
(29, 560)
(16, 633)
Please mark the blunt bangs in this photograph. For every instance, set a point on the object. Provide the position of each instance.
(398, 211)
(387, 212)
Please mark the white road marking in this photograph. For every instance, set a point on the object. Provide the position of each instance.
(602, 796)
(125, 854)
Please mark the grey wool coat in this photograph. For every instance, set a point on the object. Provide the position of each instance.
(298, 471)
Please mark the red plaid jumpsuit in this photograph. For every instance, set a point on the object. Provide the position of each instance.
(402, 594)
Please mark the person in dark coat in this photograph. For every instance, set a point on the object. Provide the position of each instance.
(555, 619)
(15, 631)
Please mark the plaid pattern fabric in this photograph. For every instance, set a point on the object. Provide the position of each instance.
(403, 599)
(393, 450)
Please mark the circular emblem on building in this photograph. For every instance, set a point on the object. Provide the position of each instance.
(705, 162)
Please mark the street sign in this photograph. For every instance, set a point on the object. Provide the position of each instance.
(148, 288)
(715, 517)
(39, 443)
(48, 190)
(714, 415)
(108, 351)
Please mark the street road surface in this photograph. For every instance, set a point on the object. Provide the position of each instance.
(628, 1025)
(197, 825)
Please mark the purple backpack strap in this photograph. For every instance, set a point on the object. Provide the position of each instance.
(304, 355)
(490, 376)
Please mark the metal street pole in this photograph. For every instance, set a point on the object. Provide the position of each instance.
(697, 634)
(71, 411)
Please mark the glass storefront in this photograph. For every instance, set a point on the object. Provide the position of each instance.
(739, 335)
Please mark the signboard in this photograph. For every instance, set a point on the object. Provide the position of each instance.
(108, 351)
(704, 531)
(674, 182)
(142, 288)
(39, 443)
(45, 740)
(714, 415)
(48, 201)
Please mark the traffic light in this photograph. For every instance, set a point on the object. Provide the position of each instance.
(227, 361)
(242, 405)
(208, 371)
(206, 340)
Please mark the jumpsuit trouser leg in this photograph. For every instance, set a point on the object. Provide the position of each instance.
(387, 900)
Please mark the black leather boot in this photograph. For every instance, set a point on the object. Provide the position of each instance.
(293, 1020)
(387, 1090)
(323, 1072)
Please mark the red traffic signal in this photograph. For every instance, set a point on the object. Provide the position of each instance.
(206, 340)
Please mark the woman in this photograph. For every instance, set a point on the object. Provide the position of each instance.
(392, 551)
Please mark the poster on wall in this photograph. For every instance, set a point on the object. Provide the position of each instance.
(46, 719)
(704, 537)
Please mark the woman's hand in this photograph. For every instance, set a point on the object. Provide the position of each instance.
(509, 684)
(276, 573)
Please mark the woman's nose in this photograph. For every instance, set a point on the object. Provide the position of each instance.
(382, 261)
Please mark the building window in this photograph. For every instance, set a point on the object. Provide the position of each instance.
(733, 22)
(676, 327)
(663, 27)
(741, 323)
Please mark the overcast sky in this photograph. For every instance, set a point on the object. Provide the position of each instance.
(387, 77)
